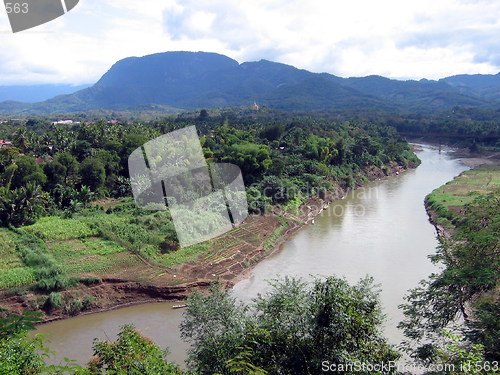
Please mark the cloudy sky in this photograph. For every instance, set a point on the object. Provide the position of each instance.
(395, 38)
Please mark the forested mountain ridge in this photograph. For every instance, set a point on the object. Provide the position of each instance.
(190, 80)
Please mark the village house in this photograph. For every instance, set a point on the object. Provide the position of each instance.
(4, 143)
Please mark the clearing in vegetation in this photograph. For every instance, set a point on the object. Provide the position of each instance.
(448, 200)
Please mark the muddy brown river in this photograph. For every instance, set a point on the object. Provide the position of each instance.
(381, 230)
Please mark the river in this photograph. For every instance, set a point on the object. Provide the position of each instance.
(381, 230)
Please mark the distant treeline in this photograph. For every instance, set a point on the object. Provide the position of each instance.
(474, 127)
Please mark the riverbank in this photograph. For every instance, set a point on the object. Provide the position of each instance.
(229, 259)
(447, 202)
(464, 212)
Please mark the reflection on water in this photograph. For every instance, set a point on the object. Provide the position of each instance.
(72, 338)
(381, 230)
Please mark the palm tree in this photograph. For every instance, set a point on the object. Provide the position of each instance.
(22, 139)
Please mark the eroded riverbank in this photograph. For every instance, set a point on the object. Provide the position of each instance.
(258, 238)
(381, 230)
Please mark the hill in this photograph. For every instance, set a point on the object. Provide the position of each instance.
(191, 80)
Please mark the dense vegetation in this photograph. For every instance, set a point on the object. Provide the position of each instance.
(130, 354)
(475, 128)
(55, 237)
(466, 290)
(55, 170)
(295, 329)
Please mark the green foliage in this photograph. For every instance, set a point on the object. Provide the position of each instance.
(59, 282)
(462, 357)
(472, 270)
(48, 274)
(21, 206)
(55, 228)
(27, 171)
(183, 255)
(279, 155)
(53, 302)
(270, 242)
(290, 330)
(92, 173)
(11, 324)
(69, 162)
(464, 189)
(485, 327)
(24, 355)
(16, 277)
(55, 173)
(20, 355)
(130, 354)
(130, 236)
(13, 272)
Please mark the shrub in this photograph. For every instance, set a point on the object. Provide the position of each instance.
(88, 281)
(53, 302)
(57, 283)
(87, 302)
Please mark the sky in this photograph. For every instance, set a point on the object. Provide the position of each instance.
(399, 39)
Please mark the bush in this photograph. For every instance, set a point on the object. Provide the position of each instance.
(53, 302)
(131, 353)
(88, 281)
(57, 283)
(87, 302)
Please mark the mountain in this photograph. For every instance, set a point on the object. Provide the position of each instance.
(483, 86)
(193, 80)
(36, 93)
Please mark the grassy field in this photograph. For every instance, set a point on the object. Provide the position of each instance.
(113, 241)
(449, 199)
(13, 272)
(123, 242)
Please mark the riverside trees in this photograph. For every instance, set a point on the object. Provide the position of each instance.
(466, 290)
(304, 154)
(291, 330)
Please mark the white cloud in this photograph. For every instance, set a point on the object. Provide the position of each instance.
(402, 39)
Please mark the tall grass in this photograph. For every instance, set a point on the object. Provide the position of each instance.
(13, 272)
(54, 228)
(49, 276)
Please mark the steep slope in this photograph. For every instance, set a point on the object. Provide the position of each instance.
(484, 86)
(191, 80)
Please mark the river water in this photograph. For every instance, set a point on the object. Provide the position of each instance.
(381, 230)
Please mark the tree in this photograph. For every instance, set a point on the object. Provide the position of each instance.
(27, 171)
(55, 172)
(272, 132)
(20, 355)
(66, 159)
(22, 139)
(93, 173)
(21, 206)
(130, 354)
(24, 355)
(472, 272)
(203, 115)
(291, 330)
